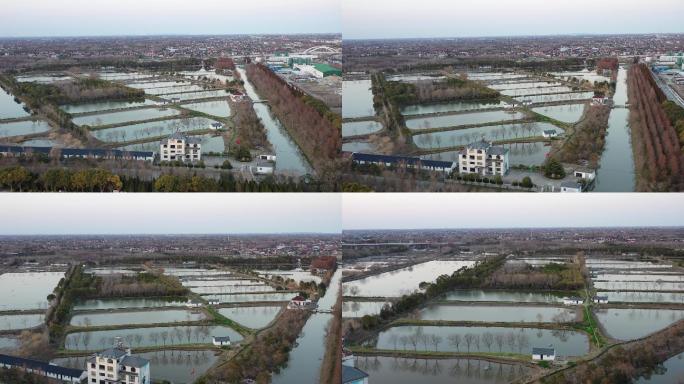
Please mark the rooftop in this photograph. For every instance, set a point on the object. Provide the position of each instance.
(134, 361)
(40, 365)
(543, 351)
(351, 374)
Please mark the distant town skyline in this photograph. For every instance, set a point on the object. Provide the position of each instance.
(162, 214)
(500, 211)
(65, 18)
(384, 19)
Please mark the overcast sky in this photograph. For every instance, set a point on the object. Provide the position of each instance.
(459, 18)
(151, 213)
(154, 17)
(500, 210)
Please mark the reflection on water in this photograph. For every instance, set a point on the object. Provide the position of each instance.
(481, 339)
(391, 370)
(631, 323)
(357, 98)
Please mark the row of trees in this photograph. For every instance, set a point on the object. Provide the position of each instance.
(198, 334)
(658, 154)
(23, 179)
(464, 277)
(561, 277)
(311, 124)
(515, 341)
(20, 179)
(250, 130)
(588, 139)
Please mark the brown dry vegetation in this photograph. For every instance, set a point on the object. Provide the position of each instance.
(250, 130)
(311, 124)
(268, 353)
(657, 153)
(623, 364)
(588, 139)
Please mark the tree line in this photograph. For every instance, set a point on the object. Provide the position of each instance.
(657, 150)
(315, 129)
(22, 179)
(464, 277)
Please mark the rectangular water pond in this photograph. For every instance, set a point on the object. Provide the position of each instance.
(535, 91)
(361, 308)
(638, 277)
(104, 106)
(558, 97)
(18, 128)
(143, 131)
(392, 370)
(524, 84)
(219, 108)
(357, 98)
(505, 296)
(633, 323)
(297, 276)
(125, 116)
(146, 302)
(16, 322)
(157, 84)
(252, 317)
(462, 119)
(251, 297)
(449, 107)
(458, 137)
(218, 283)
(10, 109)
(196, 95)
(644, 297)
(173, 89)
(8, 343)
(175, 366)
(496, 313)
(567, 113)
(402, 281)
(360, 128)
(27, 290)
(140, 317)
(510, 340)
(639, 285)
(149, 337)
(232, 289)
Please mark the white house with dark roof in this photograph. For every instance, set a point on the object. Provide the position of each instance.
(601, 299)
(483, 158)
(543, 354)
(549, 133)
(180, 147)
(573, 300)
(118, 366)
(220, 341)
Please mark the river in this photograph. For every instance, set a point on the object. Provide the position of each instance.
(616, 172)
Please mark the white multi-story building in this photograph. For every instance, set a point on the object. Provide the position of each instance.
(179, 147)
(483, 158)
(117, 366)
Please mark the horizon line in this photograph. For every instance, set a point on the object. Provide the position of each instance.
(516, 36)
(497, 228)
(171, 35)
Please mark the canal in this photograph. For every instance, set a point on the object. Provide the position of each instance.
(616, 172)
(306, 358)
(289, 157)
